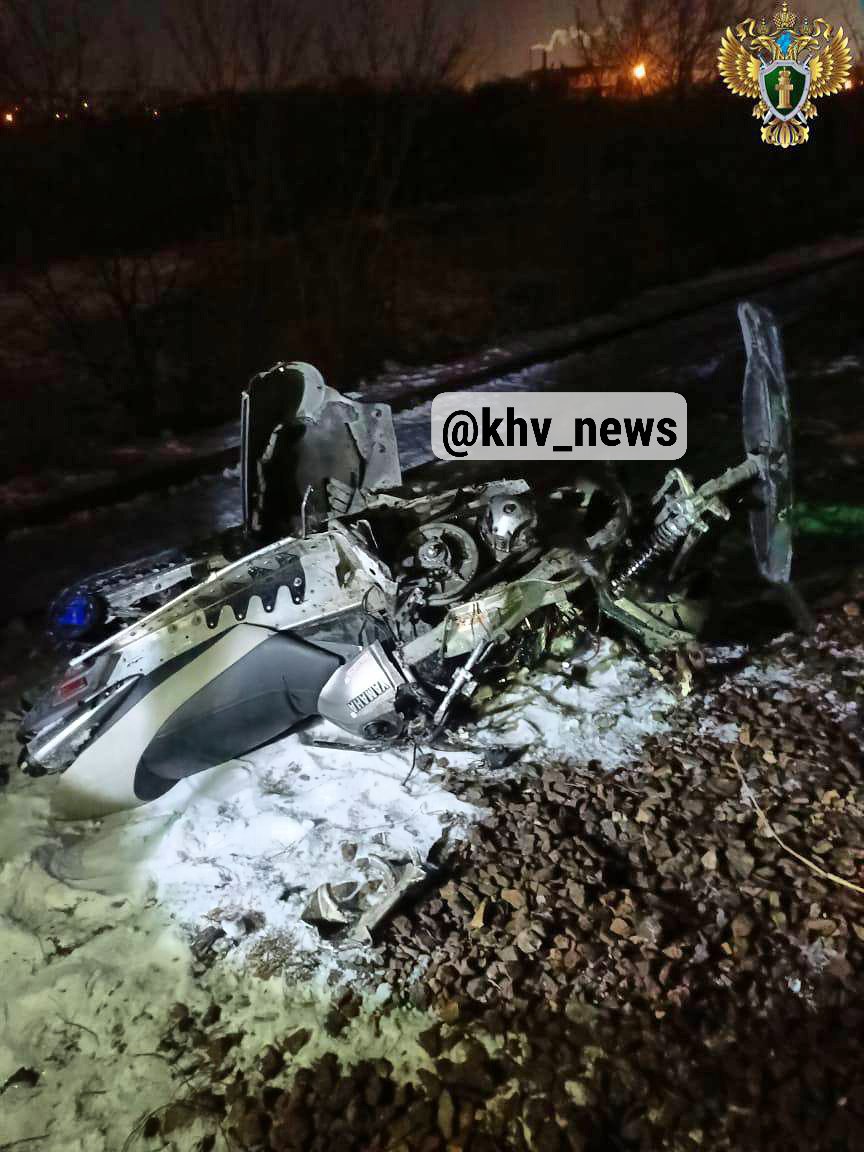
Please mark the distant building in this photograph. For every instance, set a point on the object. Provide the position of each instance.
(579, 81)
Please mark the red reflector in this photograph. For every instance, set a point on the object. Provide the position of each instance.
(71, 687)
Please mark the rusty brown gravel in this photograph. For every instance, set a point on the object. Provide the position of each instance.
(649, 968)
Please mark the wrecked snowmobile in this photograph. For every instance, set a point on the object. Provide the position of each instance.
(374, 604)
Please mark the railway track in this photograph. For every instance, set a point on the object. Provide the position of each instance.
(219, 449)
(697, 352)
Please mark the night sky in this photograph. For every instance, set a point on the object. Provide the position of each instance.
(506, 28)
(512, 26)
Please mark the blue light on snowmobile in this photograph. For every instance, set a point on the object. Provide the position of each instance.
(74, 616)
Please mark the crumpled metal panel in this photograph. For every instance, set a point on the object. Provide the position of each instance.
(338, 574)
(298, 434)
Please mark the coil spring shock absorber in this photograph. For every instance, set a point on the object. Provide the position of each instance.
(681, 520)
(665, 538)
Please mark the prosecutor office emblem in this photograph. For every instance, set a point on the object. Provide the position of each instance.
(785, 67)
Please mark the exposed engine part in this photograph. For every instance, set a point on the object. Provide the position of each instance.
(659, 626)
(509, 526)
(442, 559)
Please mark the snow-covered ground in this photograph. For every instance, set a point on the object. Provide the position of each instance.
(605, 719)
(100, 920)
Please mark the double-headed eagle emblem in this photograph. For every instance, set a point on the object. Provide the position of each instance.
(785, 68)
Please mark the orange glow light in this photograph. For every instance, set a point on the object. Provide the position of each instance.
(9, 118)
(640, 72)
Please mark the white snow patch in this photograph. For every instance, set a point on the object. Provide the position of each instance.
(263, 833)
(96, 917)
(726, 733)
(785, 681)
(719, 654)
(95, 920)
(769, 674)
(607, 718)
(843, 364)
(87, 970)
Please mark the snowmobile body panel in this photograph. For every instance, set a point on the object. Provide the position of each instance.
(297, 436)
(361, 696)
(244, 689)
(102, 778)
(281, 587)
(257, 698)
(324, 584)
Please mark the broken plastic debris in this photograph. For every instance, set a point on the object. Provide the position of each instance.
(324, 908)
(332, 907)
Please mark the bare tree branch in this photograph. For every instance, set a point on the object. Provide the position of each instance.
(205, 36)
(225, 45)
(676, 40)
(426, 44)
(49, 45)
(277, 33)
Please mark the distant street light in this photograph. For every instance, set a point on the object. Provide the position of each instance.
(9, 117)
(640, 72)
